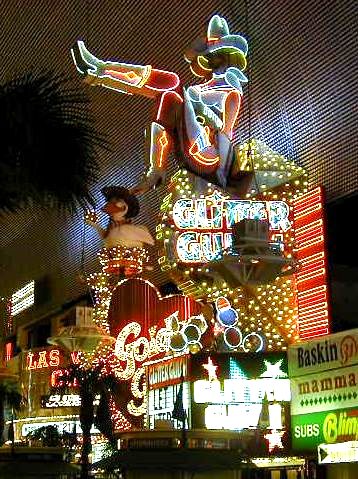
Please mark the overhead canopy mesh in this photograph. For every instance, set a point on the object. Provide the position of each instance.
(303, 102)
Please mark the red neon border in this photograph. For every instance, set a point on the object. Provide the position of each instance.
(311, 253)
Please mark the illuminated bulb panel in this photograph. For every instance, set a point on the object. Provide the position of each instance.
(22, 299)
(311, 278)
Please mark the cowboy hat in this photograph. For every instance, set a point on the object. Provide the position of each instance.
(117, 193)
(218, 40)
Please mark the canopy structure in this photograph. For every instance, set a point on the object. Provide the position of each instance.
(81, 338)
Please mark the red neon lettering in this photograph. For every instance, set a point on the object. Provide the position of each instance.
(75, 357)
(31, 364)
(55, 380)
(54, 357)
(8, 351)
(42, 363)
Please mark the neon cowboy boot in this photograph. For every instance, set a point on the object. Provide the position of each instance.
(157, 151)
(86, 63)
(118, 76)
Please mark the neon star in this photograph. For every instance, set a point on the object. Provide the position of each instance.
(274, 439)
(273, 370)
(211, 369)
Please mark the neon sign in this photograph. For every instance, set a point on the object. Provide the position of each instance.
(48, 358)
(228, 318)
(167, 372)
(185, 335)
(211, 368)
(337, 453)
(163, 340)
(311, 279)
(245, 394)
(140, 349)
(43, 359)
(214, 216)
(22, 298)
(205, 113)
(161, 404)
(240, 404)
(210, 212)
(58, 379)
(148, 326)
(64, 400)
(62, 426)
(38, 361)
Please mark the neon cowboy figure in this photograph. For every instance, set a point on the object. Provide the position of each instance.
(194, 122)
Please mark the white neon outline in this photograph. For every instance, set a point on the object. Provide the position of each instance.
(116, 89)
(218, 308)
(260, 348)
(178, 350)
(187, 243)
(232, 210)
(81, 47)
(193, 341)
(222, 24)
(227, 330)
(162, 101)
(74, 61)
(178, 216)
(212, 239)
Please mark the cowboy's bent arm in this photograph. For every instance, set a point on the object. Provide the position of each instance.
(123, 77)
(101, 231)
(199, 135)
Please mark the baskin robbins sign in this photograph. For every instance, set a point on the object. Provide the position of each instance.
(324, 379)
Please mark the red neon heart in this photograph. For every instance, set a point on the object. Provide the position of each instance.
(139, 300)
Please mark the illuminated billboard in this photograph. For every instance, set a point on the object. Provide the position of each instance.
(248, 393)
(22, 299)
(243, 392)
(324, 378)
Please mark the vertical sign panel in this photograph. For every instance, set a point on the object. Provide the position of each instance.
(311, 278)
(22, 298)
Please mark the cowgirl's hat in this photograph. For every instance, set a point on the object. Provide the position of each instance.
(218, 40)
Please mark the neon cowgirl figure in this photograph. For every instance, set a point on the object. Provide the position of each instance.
(195, 122)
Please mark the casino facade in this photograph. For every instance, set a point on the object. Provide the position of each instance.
(202, 304)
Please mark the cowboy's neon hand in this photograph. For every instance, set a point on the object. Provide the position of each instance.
(203, 141)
